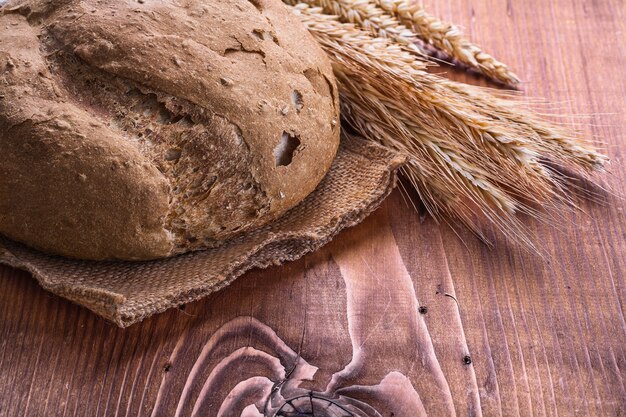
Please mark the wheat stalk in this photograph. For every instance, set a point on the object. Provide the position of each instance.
(471, 155)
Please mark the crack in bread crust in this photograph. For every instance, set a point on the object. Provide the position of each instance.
(186, 142)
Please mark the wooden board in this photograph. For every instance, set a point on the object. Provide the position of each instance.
(395, 315)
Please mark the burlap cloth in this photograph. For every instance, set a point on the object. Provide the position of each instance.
(361, 176)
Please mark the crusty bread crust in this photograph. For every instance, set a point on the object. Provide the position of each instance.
(144, 130)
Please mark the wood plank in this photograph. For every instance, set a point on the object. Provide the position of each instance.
(396, 314)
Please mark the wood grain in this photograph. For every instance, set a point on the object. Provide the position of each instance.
(396, 316)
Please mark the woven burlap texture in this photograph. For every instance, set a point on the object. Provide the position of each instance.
(361, 176)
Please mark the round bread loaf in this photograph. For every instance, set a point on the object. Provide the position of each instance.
(143, 129)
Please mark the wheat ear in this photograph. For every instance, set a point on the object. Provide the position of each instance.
(471, 155)
(409, 25)
(447, 38)
(369, 17)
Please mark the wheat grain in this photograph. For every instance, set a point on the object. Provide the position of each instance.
(471, 155)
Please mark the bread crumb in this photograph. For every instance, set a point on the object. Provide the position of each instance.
(62, 124)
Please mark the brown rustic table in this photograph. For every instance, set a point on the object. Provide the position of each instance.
(396, 315)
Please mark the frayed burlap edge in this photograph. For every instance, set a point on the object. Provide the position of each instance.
(362, 175)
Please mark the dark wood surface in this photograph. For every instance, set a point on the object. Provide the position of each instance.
(395, 315)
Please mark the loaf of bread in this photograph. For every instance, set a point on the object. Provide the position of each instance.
(143, 129)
